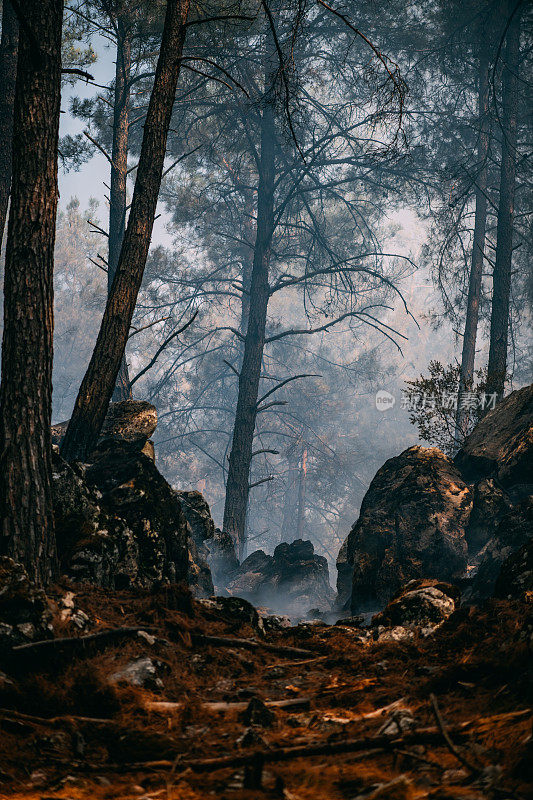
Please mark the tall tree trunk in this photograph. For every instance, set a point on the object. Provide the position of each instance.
(237, 486)
(99, 380)
(466, 377)
(119, 173)
(301, 495)
(8, 74)
(247, 251)
(501, 288)
(27, 522)
(290, 504)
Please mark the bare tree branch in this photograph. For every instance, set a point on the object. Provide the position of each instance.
(161, 348)
(284, 383)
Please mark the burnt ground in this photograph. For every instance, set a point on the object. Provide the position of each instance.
(66, 732)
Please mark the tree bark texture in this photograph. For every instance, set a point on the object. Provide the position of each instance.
(237, 486)
(8, 74)
(27, 528)
(501, 281)
(99, 380)
(119, 174)
(466, 377)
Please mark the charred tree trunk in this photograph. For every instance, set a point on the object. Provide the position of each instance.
(501, 287)
(99, 380)
(289, 523)
(301, 495)
(237, 486)
(247, 251)
(8, 74)
(466, 377)
(119, 174)
(27, 532)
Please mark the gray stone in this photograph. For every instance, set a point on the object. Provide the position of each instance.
(140, 672)
(292, 580)
(419, 603)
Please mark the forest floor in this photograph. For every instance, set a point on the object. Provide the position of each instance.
(67, 732)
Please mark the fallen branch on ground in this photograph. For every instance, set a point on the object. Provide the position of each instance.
(426, 736)
(68, 645)
(251, 644)
(445, 735)
(18, 716)
(298, 663)
(164, 707)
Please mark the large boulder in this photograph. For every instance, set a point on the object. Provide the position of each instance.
(344, 578)
(293, 580)
(134, 490)
(25, 614)
(501, 445)
(120, 524)
(221, 559)
(513, 534)
(94, 545)
(132, 421)
(516, 575)
(411, 525)
(490, 505)
(214, 547)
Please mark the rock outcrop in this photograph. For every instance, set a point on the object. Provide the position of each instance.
(515, 580)
(497, 562)
(25, 615)
(131, 421)
(426, 516)
(412, 525)
(215, 549)
(293, 580)
(119, 524)
(498, 456)
(501, 445)
(135, 491)
(490, 505)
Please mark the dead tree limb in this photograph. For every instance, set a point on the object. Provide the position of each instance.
(161, 348)
(36, 652)
(446, 736)
(251, 644)
(382, 742)
(294, 703)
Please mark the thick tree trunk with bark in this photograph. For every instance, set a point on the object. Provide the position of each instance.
(8, 74)
(27, 532)
(99, 380)
(237, 486)
(119, 174)
(478, 246)
(501, 290)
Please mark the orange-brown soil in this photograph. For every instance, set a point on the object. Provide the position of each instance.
(65, 732)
